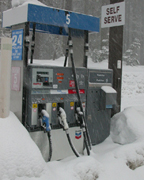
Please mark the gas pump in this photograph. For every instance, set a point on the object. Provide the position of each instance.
(55, 99)
(58, 105)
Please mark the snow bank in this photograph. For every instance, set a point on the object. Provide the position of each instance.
(73, 168)
(16, 3)
(132, 154)
(127, 126)
(85, 168)
(22, 160)
(19, 154)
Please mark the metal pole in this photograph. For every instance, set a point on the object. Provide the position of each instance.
(25, 64)
(115, 59)
(5, 76)
(68, 5)
(86, 48)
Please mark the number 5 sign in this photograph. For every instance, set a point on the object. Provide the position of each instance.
(15, 79)
(17, 44)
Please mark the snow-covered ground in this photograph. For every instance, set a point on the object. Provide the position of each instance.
(119, 157)
(133, 87)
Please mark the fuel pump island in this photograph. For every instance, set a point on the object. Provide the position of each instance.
(72, 105)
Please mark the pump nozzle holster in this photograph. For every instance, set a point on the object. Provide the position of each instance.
(80, 117)
(62, 118)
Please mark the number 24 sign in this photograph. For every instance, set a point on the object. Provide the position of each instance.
(17, 44)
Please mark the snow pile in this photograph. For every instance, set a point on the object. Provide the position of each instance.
(73, 168)
(16, 3)
(119, 160)
(132, 154)
(85, 168)
(82, 168)
(57, 62)
(19, 154)
(127, 126)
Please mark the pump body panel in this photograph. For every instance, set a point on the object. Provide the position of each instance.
(50, 87)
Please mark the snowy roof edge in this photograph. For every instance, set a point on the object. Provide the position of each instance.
(12, 16)
(49, 16)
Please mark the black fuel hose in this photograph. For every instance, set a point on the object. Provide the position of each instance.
(66, 55)
(85, 133)
(86, 143)
(77, 90)
(50, 145)
(33, 43)
(71, 144)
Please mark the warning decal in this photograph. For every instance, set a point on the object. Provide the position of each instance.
(71, 83)
(73, 91)
(34, 105)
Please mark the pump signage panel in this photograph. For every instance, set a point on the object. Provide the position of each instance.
(113, 15)
(15, 79)
(17, 44)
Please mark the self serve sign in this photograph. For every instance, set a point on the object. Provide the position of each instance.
(113, 15)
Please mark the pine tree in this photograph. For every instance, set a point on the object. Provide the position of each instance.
(131, 56)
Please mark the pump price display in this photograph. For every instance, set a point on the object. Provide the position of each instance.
(17, 44)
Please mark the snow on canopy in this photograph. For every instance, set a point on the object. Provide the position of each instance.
(16, 3)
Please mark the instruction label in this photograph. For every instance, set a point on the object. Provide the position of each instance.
(54, 104)
(34, 105)
(71, 83)
(71, 103)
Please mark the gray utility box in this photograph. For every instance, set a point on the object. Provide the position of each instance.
(98, 113)
(108, 97)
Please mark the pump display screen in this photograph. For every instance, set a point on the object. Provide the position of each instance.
(43, 79)
(42, 72)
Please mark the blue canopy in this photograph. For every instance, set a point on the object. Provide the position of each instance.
(51, 20)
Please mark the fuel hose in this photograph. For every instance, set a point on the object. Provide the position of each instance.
(86, 134)
(71, 144)
(50, 145)
(63, 122)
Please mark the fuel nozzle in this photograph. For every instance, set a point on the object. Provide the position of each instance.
(45, 121)
(79, 114)
(47, 129)
(63, 121)
(62, 118)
